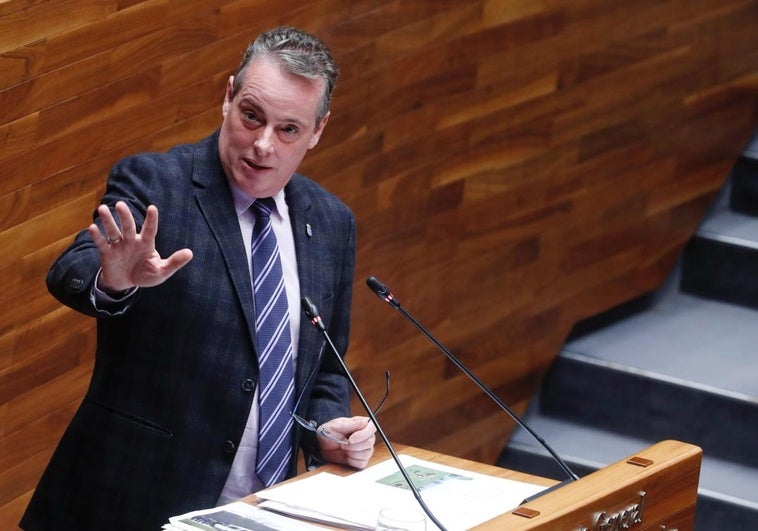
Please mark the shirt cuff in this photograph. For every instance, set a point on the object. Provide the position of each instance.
(102, 300)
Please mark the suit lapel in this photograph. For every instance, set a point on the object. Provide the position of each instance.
(214, 199)
(300, 209)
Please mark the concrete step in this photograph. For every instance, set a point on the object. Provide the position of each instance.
(673, 371)
(721, 260)
(727, 492)
(743, 197)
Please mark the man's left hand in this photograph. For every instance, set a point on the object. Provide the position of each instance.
(360, 434)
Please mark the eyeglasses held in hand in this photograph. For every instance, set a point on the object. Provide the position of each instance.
(323, 431)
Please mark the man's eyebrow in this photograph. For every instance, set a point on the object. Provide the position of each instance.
(252, 103)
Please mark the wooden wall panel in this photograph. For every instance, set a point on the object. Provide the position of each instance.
(514, 166)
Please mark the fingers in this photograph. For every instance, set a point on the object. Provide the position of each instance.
(128, 227)
(364, 436)
(97, 237)
(360, 432)
(150, 226)
(112, 233)
(111, 230)
(177, 261)
(345, 426)
(358, 459)
(361, 445)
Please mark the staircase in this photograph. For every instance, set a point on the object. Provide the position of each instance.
(679, 363)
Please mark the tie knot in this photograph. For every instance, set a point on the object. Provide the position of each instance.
(264, 206)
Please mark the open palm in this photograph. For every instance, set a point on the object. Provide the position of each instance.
(129, 258)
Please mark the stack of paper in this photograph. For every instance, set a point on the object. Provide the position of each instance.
(459, 499)
(237, 516)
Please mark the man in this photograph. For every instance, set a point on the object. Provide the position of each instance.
(173, 415)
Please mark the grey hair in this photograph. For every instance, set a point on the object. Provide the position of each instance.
(300, 53)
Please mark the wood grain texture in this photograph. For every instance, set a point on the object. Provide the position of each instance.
(514, 166)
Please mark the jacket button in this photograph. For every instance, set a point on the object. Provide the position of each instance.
(248, 384)
(229, 447)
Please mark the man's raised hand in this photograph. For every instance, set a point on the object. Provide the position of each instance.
(129, 258)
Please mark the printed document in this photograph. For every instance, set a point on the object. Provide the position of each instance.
(459, 499)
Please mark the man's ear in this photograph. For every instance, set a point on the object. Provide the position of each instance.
(228, 96)
(317, 133)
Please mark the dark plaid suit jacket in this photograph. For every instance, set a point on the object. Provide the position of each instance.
(175, 370)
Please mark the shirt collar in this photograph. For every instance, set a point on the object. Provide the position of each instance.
(242, 201)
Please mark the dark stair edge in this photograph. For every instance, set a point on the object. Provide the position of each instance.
(609, 395)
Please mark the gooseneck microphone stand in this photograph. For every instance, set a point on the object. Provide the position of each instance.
(311, 311)
(384, 293)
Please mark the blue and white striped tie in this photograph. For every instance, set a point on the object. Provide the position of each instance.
(274, 345)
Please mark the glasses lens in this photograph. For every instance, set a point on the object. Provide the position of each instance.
(311, 425)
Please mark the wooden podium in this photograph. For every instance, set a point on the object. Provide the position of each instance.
(654, 489)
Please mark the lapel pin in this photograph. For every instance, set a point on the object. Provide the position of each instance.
(308, 230)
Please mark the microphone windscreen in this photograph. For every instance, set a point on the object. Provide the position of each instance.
(377, 287)
(309, 308)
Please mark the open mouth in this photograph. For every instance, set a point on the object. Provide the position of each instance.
(254, 165)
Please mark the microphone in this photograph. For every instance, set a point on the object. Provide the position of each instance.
(311, 311)
(384, 293)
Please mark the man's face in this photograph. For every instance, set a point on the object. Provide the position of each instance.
(268, 127)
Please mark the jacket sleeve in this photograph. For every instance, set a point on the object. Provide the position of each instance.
(71, 277)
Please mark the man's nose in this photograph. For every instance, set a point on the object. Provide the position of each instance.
(264, 141)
